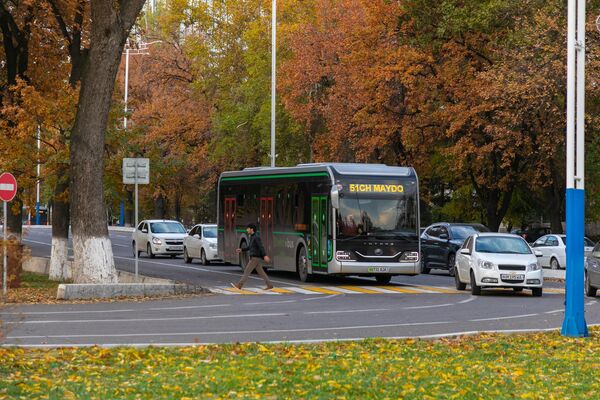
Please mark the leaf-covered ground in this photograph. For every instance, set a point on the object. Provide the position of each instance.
(537, 366)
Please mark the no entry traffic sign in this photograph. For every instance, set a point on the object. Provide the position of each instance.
(8, 186)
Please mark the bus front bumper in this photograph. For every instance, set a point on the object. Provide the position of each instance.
(360, 268)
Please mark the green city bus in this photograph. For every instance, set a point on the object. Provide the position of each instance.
(329, 219)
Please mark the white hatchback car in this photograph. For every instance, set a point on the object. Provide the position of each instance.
(201, 243)
(553, 249)
(498, 260)
(159, 237)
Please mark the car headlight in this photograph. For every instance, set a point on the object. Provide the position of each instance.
(534, 267)
(486, 264)
(342, 255)
(212, 245)
(156, 241)
(410, 256)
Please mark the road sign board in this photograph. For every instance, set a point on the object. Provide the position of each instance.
(8, 186)
(136, 170)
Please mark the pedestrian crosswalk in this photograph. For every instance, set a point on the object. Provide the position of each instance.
(329, 290)
(351, 289)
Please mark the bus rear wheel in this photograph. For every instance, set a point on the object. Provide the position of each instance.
(302, 266)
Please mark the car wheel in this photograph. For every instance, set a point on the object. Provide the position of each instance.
(536, 292)
(517, 289)
(203, 259)
(424, 269)
(475, 290)
(458, 283)
(590, 291)
(452, 264)
(383, 279)
(554, 263)
(149, 251)
(302, 266)
(186, 256)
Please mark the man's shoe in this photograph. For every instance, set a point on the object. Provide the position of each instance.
(236, 286)
(267, 288)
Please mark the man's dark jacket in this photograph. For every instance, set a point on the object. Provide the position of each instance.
(255, 247)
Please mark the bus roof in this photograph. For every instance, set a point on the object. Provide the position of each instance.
(336, 168)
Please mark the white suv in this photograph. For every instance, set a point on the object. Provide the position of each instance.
(201, 243)
(158, 237)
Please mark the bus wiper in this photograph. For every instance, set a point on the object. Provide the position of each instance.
(351, 237)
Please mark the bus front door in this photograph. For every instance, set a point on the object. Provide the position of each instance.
(229, 234)
(266, 224)
(318, 233)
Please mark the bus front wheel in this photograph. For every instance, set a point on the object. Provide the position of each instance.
(302, 266)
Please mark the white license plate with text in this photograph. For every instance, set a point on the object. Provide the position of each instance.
(379, 269)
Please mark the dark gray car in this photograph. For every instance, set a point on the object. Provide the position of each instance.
(441, 241)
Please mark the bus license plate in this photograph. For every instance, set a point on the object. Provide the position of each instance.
(378, 269)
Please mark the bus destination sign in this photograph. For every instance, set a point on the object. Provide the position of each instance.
(375, 188)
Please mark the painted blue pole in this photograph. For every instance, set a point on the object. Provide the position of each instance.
(574, 323)
(37, 213)
(122, 214)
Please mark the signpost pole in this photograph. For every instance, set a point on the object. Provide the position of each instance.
(136, 220)
(4, 254)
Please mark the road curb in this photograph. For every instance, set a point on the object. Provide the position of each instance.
(106, 291)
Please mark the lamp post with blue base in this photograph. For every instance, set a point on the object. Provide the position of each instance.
(574, 324)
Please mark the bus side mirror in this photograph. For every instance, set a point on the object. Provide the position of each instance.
(335, 197)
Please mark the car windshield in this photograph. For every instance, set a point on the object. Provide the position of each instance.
(166, 227)
(461, 232)
(501, 244)
(210, 232)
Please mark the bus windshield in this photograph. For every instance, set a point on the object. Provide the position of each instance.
(372, 216)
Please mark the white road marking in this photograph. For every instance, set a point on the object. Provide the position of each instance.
(508, 317)
(346, 311)
(432, 306)
(467, 300)
(269, 302)
(321, 297)
(146, 319)
(204, 333)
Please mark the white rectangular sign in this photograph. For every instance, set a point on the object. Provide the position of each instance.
(139, 165)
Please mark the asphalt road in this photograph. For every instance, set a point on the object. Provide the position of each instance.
(422, 306)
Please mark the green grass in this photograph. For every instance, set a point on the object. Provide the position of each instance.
(539, 366)
(37, 281)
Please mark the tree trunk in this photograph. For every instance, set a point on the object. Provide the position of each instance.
(59, 257)
(160, 208)
(93, 256)
(15, 219)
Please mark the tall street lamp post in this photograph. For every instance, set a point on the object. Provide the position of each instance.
(574, 322)
(273, 76)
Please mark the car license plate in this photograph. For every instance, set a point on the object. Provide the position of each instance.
(514, 277)
(175, 248)
(378, 269)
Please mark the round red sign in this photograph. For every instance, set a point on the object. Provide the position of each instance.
(8, 186)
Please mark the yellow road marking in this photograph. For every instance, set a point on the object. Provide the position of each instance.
(437, 289)
(241, 291)
(361, 290)
(281, 290)
(320, 290)
(400, 289)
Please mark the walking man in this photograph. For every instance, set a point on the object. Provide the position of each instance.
(256, 253)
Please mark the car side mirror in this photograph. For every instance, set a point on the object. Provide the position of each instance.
(465, 251)
(538, 253)
(444, 236)
(196, 236)
(144, 230)
(335, 197)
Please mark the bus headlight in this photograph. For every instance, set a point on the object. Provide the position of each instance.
(342, 255)
(412, 256)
